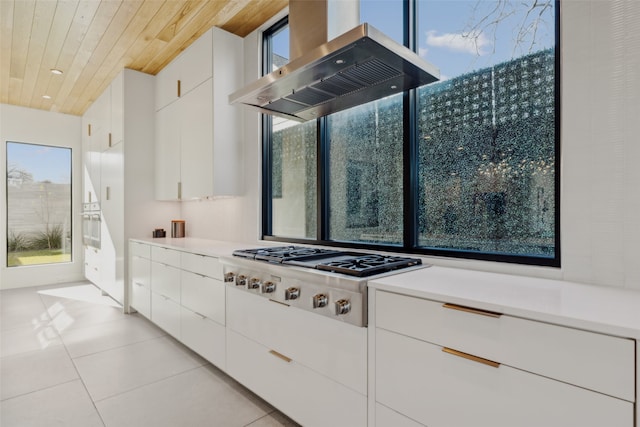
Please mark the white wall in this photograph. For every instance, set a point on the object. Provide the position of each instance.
(600, 166)
(40, 127)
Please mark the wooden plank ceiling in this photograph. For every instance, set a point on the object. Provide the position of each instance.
(92, 40)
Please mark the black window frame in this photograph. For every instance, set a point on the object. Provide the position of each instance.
(411, 170)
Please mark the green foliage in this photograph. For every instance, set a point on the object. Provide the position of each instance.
(17, 242)
(51, 238)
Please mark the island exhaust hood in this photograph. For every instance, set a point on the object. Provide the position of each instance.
(356, 67)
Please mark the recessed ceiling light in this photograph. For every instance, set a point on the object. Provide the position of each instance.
(46, 96)
(56, 71)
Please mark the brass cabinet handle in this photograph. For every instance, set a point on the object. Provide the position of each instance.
(472, 310)
(179, 190)
(179, 89)
(109, 139)
(89, 129)
(280, 356)
(471, 357)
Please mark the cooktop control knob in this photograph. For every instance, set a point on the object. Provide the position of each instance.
(254, 283)
(241, 280)
(268, 287)
(229, 277)
(291, 293)
(343, 306)
(320, 300)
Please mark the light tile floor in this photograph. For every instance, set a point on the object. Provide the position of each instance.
(70, 357)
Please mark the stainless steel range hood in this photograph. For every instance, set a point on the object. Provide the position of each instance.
(354, 68)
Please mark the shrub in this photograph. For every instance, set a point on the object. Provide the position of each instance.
(17, 242)
(51, 238)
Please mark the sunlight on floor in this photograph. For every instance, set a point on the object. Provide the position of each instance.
(86, 293)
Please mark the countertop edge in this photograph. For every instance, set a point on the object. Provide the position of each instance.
(588, 307)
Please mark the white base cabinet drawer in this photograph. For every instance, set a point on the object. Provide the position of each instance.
(92, 265)
(141, 271)
(595, 361)
(165, 256)
(419, 380)
(139, 249)
(201, 264)
(141, 299)
(165, 280)
(332, 348)
(386, 417)
(166, 314)
(203, 295)
(307, 397)
(204, 336)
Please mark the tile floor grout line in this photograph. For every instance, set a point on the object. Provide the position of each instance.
(148, 384)
(117, 347)
(39, 390)
(75, 367)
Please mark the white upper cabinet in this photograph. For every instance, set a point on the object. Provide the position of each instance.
(198, 134)
(167, 82)
(196, 65)
(185, 72)
(167, 153)
(197, 148)
(117, 109)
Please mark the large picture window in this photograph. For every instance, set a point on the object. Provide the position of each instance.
(38, 204)
(464, 167)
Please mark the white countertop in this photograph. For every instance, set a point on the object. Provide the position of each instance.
(214, 248)
(608, 310)
(613, 311)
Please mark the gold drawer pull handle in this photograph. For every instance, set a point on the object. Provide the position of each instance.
(471, 357)
(472, 310)
(280, 356)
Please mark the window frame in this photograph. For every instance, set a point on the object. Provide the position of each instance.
(71, 202)
(411, 169)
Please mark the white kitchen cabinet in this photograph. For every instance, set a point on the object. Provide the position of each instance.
(183, 294)
(165, 313)
(167, 153)
(92, 264)
(203, 307)
(165, 280)
(117, 110)
(120, 173)
(203, 295)
(308, 366)
(90, 158)
(112, 235)
(304, 395)
(198, 133)
(101, 125)
(431, 358)
(167, 84)
(187, 71)
(196, 154)
(140, 268)
(204, 336)
(165, 297)
(418, 379)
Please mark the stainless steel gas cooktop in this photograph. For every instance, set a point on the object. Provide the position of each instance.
(349, 263)
(327, 282)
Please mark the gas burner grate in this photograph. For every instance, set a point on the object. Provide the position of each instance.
(282, 254)
(367, 265)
